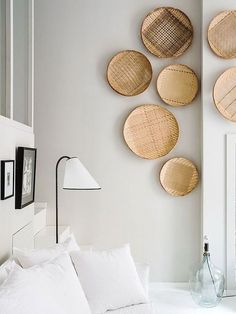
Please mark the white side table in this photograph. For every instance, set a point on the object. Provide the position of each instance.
(46, 237)
(176, 299)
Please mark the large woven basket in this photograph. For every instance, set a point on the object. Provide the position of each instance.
(224, 94)
(222, 34)
(179, 176)
(167, 32)
(129, 73)
(151, 131)
(177, 85)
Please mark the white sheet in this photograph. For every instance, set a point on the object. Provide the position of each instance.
(135, 309)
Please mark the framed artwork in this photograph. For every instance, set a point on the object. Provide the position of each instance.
(25, 176)
(7, 179)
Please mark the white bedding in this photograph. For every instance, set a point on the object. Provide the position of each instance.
(49, 288)
(109, 278)
(135, 309)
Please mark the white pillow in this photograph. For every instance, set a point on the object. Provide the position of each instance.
(70, 244)
(29, 258)
(143, 273)
(5, 268)
(49, 288)
(109, 279)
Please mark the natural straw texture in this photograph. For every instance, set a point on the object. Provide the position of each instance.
(177, 85)
(179, 176)
(225, 94)
(129, 73)
(221, 34)
(167, 32)
(151, 131)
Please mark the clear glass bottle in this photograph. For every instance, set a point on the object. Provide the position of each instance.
(207, 282)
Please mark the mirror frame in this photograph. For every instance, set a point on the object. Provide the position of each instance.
(9, 67)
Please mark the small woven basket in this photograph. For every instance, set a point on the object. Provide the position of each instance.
(221, 35)
(177, 85)
(224, 94)
(179, 176)
(167, 32)
(129, 73)
(151, 131)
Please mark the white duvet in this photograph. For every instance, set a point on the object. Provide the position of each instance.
(135, 309)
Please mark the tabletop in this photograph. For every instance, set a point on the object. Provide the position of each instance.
(169, 299)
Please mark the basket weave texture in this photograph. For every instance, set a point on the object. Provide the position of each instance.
(222, 34)
(151, 131)
(167, 32)
(179, 176)
(177, 85)
(225, 94)
(129, 73)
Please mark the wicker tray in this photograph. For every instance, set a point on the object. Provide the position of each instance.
(221, 34)
(151, 131)
(179, 176)
(177, 85)
(129, 73)
(167, 32)
(225, 94)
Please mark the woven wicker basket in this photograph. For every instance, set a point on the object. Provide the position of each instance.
(221, 34)
(177, 85)
(167, 32)
(129, 73)
(224, 94)
(151, 131)
(179, 176)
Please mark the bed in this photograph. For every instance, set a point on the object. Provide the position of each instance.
(23, 238)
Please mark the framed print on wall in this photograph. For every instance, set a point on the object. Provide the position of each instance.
(25, 176)
(7, 179)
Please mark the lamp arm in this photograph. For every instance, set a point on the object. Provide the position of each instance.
(57, 165)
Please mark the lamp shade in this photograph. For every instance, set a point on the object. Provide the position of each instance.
(77, 176)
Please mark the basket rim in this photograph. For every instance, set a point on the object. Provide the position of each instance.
(196, 168)
(194, 73)
(154, 105)
(208, 40)
(123, 51)
(213, 93)
(153, 11)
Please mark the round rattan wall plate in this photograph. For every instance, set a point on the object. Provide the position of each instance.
(167, 32)
(129, 73)
(224, 94)
(177, 85)
(221, 34)
(179, 176)
(151, 131)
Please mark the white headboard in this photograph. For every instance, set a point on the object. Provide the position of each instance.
(24, 238)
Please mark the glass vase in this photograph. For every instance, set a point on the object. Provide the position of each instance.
(207, 283)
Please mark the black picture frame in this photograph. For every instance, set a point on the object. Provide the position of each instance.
(25, 176)
(7, 178)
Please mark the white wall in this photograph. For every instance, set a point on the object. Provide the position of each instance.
(11, 220)
(215, 127)
(77, 113)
